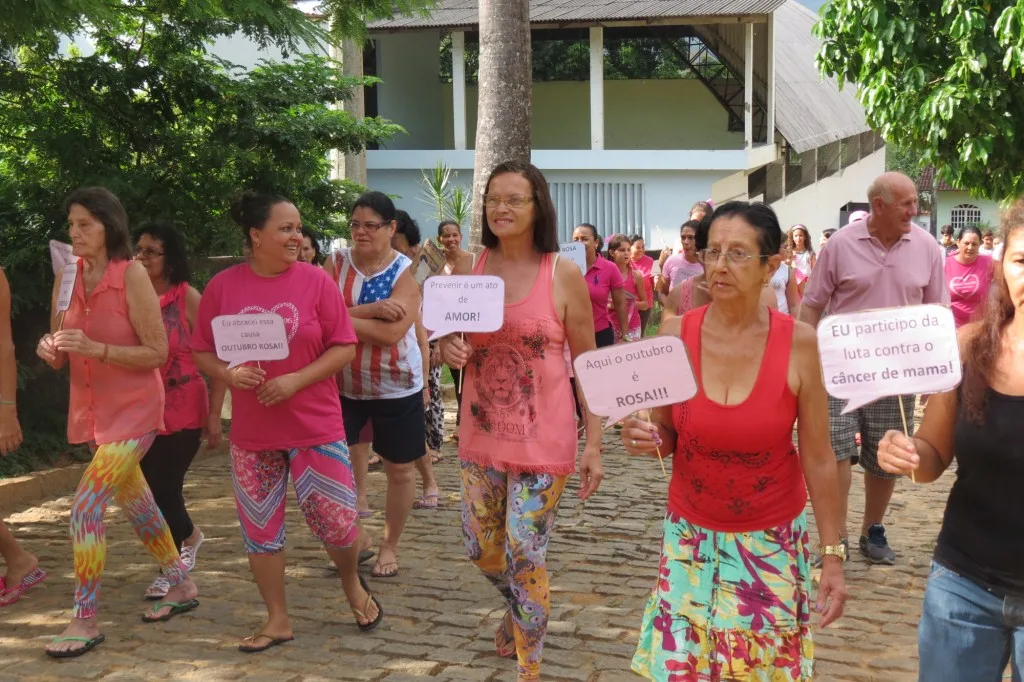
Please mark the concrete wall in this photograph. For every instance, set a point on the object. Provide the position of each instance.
(655, 114)
(948, 200)
(668, 196)
(817, 206)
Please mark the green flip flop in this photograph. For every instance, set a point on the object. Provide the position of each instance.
(176, 608)
(90, 644)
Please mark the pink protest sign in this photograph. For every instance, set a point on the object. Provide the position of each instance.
(463, 303)
(250, 338)
(620, 380)
(60, 255)
(893, 351)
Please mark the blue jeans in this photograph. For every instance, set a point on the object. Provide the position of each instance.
(968, 634)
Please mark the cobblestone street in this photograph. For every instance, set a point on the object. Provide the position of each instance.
(441, 613)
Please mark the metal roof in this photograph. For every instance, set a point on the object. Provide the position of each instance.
(463, 13)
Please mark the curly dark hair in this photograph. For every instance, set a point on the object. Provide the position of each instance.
(175, 255)
(981, 351)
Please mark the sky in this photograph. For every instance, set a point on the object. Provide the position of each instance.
(813, 4)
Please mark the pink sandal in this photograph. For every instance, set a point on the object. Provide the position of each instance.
(13, 595)
(426, 502)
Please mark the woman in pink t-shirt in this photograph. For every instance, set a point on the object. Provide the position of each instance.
(603, 280)
(518, 444)
(643, 264)
(968, 276)
(633, 286)
(160, 249)
(286, 414)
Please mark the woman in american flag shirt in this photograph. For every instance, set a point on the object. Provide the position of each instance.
(384, 384)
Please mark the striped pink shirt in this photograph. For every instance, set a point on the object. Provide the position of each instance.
(378, 371)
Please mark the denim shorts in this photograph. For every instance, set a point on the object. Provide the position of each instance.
(968, 633)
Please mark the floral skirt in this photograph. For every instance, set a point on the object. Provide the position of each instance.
(729, 607)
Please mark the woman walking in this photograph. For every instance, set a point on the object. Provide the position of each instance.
(783, 283)
(971, 626)
(968, 276)
(518, 444)
(187, 410)
(286, 416)
(644, 264)
(114, 340)
(384, 384)
(22, 568)
(733, 598)
(636, 300)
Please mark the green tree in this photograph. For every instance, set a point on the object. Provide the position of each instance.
(941, 79)
(174, 131)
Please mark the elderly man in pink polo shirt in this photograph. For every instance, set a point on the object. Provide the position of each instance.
(883, 261)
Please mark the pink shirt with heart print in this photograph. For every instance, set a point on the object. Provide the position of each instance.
(968, 286)
(316, 319)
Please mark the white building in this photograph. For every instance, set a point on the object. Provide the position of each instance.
(630, 155)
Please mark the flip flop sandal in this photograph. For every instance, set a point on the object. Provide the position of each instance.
(504, 643)
(90, 644)
(176, 608)
(366, 627)
(365, 555)
(14, 594)
(426, 502)
(379, 572)
(273, 641)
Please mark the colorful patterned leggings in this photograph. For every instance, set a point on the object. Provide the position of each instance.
(507, 519)
(322, 477)
(114, 473)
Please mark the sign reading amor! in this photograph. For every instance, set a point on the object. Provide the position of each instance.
(894, 351)
(620, 380)
(463, 303)
(250, 338)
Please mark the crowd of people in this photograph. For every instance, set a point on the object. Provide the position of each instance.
(733, 599)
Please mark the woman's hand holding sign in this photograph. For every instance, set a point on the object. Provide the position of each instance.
(455, 351)
(897, 454)
(641, 437)
(244, 377)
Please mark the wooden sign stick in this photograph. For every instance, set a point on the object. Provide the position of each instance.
(906, 432)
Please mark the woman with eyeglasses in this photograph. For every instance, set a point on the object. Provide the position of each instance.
(733, 598)
(113, 337)
(286, 416)
(188, 412)
(518, 444)
(384, 384)
(968, 276)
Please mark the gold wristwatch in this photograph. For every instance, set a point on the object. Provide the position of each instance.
(838, 550)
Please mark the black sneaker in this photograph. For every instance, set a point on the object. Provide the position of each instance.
(876, 548)
(817, 559)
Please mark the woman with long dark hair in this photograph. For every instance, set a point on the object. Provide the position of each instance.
(518, 442)
(802, 257)
(971, 624)
(188, 414)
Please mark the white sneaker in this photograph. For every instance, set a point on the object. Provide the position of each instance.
(159, 588)
(189, 552)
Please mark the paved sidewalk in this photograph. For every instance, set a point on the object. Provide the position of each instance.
(440, 612)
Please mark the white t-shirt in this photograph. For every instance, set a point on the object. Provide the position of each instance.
(779, 282)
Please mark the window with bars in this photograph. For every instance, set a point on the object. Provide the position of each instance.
(612, 207)
(964, 215)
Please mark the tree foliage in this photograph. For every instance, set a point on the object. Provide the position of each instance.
(173, 130)
(940, 78)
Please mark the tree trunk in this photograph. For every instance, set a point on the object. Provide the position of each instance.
(352, 65)
(505, 95)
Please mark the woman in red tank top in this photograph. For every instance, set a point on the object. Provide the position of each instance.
(733, 596)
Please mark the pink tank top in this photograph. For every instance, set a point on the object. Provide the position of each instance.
(109, 403)
(517, 403)
(632, 312)
(187, 402)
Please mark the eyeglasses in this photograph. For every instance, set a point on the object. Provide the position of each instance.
(732, 257)
(355, 226)
(148, 253)
(514, 201)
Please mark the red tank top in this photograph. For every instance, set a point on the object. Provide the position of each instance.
(735, 468)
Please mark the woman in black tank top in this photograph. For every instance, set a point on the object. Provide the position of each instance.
(973, 619)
